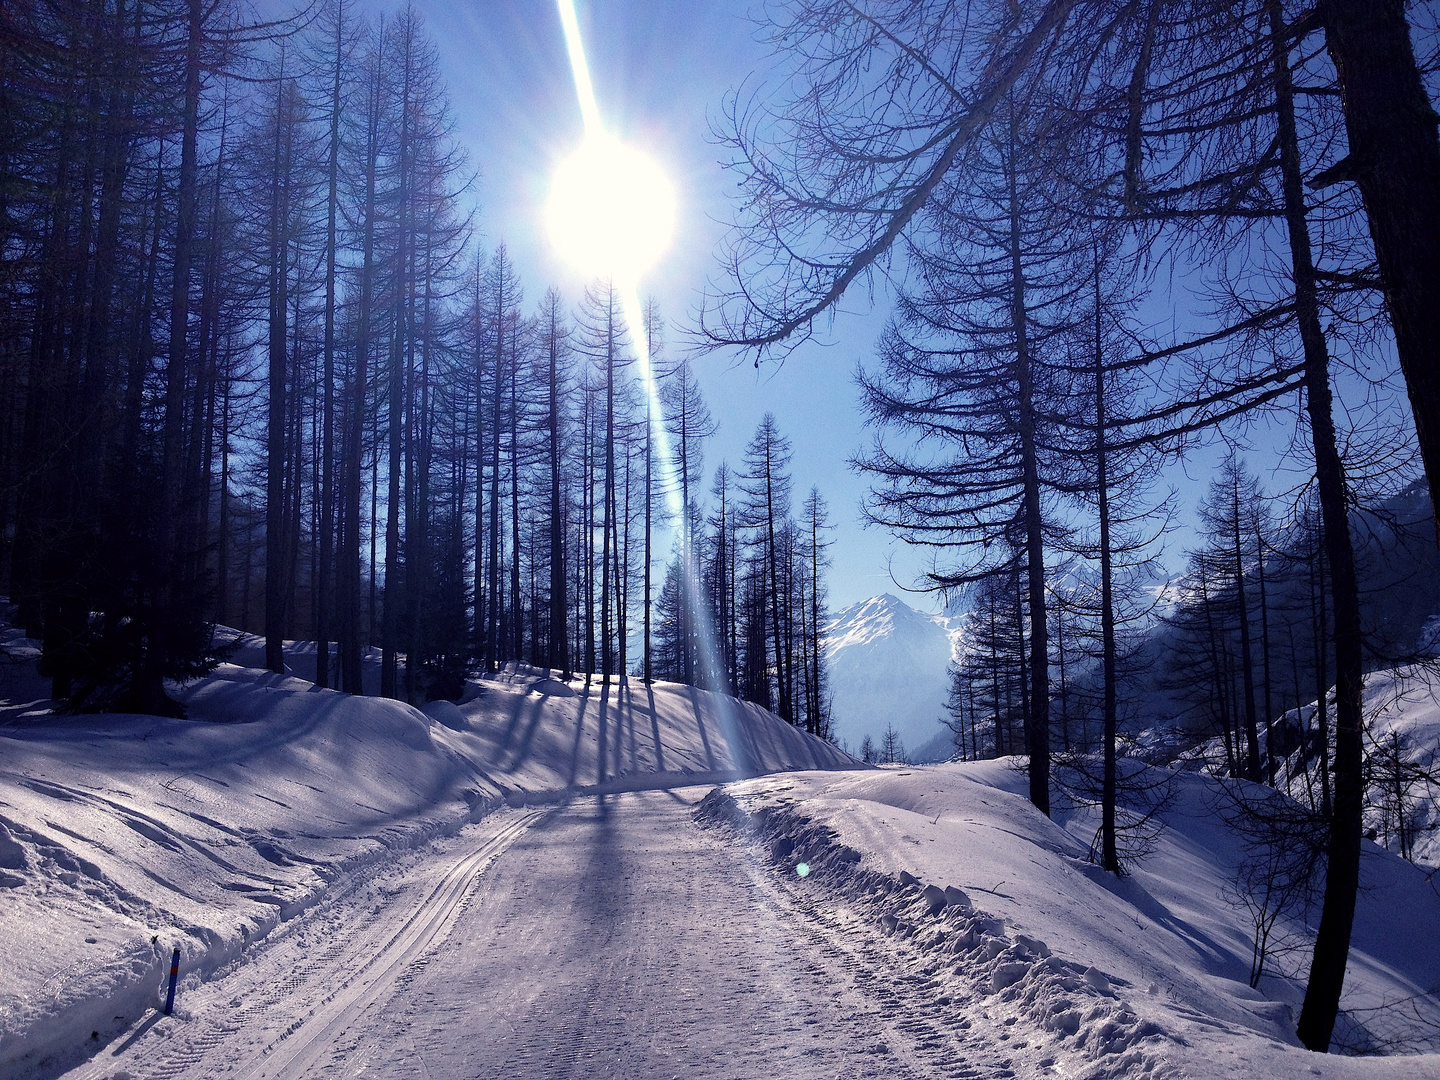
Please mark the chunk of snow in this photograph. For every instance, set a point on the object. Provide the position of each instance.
(956, 898)
(1034, 945)
(1008, 974)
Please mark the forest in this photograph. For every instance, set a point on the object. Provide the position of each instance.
(1115, 233)
(259, 371)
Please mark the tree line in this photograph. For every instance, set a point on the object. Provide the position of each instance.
(1032, 182)
(258, 371)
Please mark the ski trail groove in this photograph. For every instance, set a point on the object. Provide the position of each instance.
(272, 1008)
(623, 941)
(296, 1052)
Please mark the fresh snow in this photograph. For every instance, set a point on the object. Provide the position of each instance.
(1148, 974)
(560, 879)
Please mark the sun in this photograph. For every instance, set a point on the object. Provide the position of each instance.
(611, 211)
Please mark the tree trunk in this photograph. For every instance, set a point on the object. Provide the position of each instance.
(493, 599)
(517, 620)
(389, 616)
(275, 436)
(327, 386)
(1037, 728)
(352, 649)
(1342, 873)
(1109, 850)
(1270, 763)
(772, 557)
(1395, 159)
(1247, 658)
(559, 610)
(608, 494)
(647, 670)
(180, 291)
(818, 705)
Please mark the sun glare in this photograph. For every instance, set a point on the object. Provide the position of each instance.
(611, 210)
(611, 214)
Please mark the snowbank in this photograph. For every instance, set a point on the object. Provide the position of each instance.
(994, 903)
(122, 837)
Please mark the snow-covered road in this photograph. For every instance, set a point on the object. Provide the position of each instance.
(609, 937)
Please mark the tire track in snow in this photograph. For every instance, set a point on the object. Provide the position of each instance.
(922, 1022)
(645, 946)
(944, 981)
(627, 942)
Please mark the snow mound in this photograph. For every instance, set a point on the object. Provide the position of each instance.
(964, 949)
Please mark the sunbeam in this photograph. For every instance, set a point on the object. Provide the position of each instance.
(634, 225)
(575, 47)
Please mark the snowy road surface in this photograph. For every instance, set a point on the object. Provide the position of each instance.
(610, 937)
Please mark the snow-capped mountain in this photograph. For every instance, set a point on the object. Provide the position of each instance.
(888, 665)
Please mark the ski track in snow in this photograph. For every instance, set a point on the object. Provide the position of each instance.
(274, 1011)
(123, 837)
(609, 937)
(610, 934)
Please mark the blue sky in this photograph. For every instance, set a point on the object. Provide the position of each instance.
(661, 73)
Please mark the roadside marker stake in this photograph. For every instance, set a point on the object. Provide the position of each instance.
(174, 975)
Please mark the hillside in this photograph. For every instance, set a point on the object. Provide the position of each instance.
(279, 812)
(124, 836)
(1399, 571)
(1145, 975)
(1401, 711)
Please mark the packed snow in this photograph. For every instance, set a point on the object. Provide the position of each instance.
(996, 906)
(562, 878)
(123, 836)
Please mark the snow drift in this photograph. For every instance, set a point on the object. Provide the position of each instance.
(991, 903)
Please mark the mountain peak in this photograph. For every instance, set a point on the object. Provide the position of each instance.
(888, 666)
(880, 616)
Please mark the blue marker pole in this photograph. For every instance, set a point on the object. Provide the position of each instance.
(174, 975)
